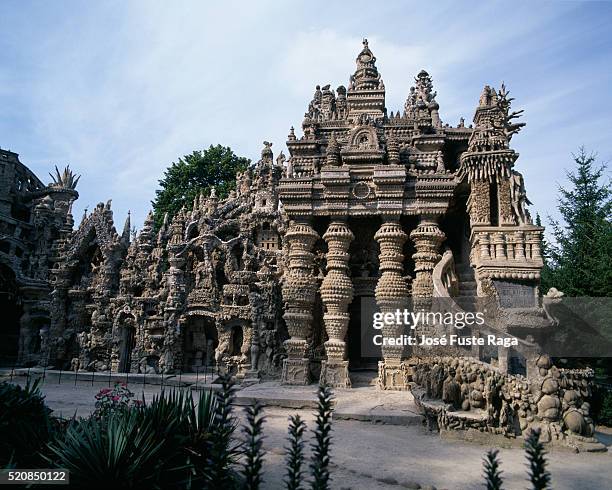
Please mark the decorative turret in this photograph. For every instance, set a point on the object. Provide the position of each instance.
(366, 75)
(146, 237)
(366, 94)
(493, 130)
(421, 105)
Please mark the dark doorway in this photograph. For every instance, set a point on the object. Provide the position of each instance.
(237, 339)
(11, 311)
(125, 348)
(199, 343)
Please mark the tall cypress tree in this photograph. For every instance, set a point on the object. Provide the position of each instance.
(580, 256)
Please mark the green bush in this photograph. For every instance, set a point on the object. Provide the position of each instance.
(120, 451)
(25, 424)
(322, 440)
(167, 443)
(295, 452)
(602, 406)
(537, 474)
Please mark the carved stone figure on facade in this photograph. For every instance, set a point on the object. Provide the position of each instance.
(519, 198)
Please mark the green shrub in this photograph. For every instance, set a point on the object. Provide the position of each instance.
(121, 451)
(322, 440)
(602, 406)
(223, 451)
(295, 452)
(25, 424)
(167, 443)
(112, 400)
(253, 451)
(538, 476)
(492, 474)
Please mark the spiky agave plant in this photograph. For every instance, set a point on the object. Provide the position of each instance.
(538, 476)
(122, 450)
(295, 452)
(25, 424)
(254, 453)
(492, 473)
(322, 439)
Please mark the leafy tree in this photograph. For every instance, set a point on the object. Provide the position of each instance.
(579, 258)
(195, 173)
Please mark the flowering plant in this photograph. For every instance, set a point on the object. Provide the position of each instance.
(111, 400)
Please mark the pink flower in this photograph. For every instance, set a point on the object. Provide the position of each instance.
(104, 391)
(116, 398)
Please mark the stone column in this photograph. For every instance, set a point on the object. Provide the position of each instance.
(484, 241)
(427, 238)
(392, 294)
(337, 294)
(299, 290)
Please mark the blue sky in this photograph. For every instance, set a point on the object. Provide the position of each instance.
(120, 89)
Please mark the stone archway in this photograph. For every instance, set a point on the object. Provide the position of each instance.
(200, 340)
(127, 341)
(124, 339)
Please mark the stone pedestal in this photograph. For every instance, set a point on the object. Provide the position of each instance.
(295, 372)
(391, 294)
(299, 292)
(336, 293)
(394, 375)
(335, 373)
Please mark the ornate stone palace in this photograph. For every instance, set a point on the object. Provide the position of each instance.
(399, 209)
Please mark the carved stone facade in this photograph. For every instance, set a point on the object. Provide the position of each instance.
(34, 220)
(272, 281)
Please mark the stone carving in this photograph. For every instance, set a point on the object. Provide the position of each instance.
(231, 283)
(458, 393)
(519, 199)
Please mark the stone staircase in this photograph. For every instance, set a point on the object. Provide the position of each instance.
(467, 287)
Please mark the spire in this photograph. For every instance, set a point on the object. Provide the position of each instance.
(146, 234)
(366, 93)
(125, 235)
(366, 75)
